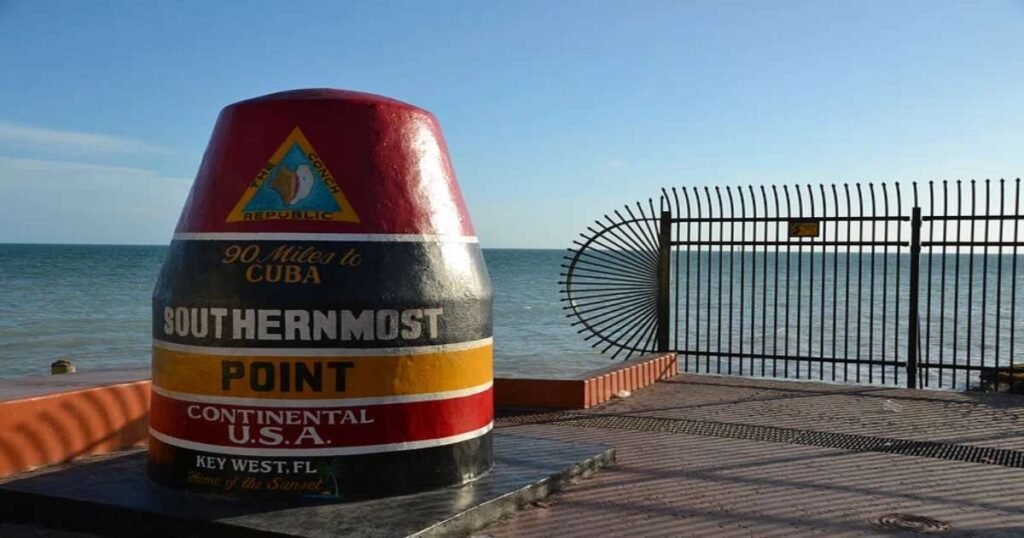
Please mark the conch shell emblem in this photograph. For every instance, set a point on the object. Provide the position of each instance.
(293, 186)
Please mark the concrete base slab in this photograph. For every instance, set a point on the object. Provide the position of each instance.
(114, 497)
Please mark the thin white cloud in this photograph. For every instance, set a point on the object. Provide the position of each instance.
(70, 202)
(59, 140)
(11, 164)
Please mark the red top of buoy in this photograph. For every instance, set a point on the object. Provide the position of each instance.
(326, 161)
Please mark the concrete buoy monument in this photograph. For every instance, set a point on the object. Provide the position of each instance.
(322, 321)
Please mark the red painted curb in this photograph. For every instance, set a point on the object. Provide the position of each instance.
(586, 390)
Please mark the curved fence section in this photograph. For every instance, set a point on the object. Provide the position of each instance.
(611, 285)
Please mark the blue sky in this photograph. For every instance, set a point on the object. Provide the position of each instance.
(554, 112)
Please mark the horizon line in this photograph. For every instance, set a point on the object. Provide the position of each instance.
(58, 244)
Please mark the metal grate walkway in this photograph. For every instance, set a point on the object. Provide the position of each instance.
(843, 441)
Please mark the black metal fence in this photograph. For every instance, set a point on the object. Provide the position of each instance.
(845, 283)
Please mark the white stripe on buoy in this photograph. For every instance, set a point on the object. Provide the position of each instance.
(362, 238)
(337, 451)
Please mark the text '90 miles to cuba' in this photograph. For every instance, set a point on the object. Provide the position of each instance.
(288, 264)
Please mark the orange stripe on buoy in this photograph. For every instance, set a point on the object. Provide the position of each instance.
(321, 377)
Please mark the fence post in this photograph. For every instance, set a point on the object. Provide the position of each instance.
(913, 332)
(664, 282)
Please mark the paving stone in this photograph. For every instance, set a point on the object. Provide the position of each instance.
(675, 484)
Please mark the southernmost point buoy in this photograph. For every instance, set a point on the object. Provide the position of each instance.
(322, 322)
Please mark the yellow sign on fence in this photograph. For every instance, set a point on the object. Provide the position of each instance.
(804, 228)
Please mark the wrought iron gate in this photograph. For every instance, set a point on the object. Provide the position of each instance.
(843, 283)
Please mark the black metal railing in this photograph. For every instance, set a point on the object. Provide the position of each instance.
(613, 282)
(833, 283)
(971, 236)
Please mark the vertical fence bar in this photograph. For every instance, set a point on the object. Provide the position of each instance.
(711, 264)
(860, 279)
(743, 272)
(1013, 274)
(664, 284)
(942, 290)
(774, 317)
(999, 269)
(846, 302)
(984, 278)
(914, 326)
(970, 284)
(835, 281)
(799, 284)
(956, 279)
(764, 290)
(810, 291)
(821, 321)
(732, 250)
(753, 275)
(697, 287)
(871, 286)
(896, 306)
(789, 252)
(885, 275)
(689, 257)
(928, 306)
(721, 262)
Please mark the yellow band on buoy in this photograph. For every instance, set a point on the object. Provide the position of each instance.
(308, 375)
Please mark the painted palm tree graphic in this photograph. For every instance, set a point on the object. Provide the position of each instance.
(332, 470)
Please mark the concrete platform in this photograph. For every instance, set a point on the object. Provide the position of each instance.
(112, 497)
(715, 456)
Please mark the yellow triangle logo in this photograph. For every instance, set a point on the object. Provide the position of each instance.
(294, 185)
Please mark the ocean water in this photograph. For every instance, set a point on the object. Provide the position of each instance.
(848, 306)
(91, 304)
